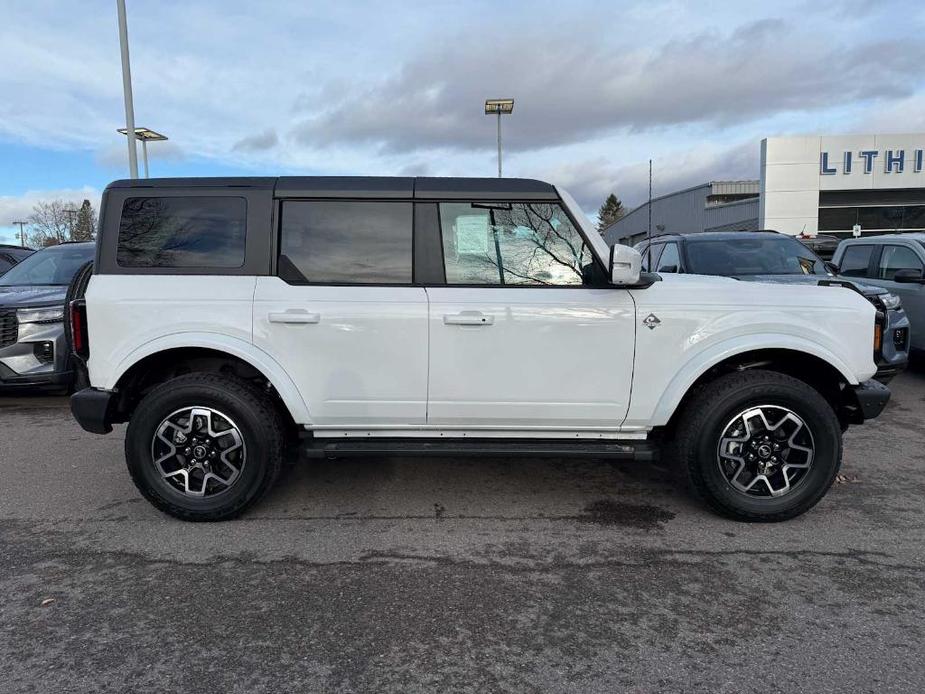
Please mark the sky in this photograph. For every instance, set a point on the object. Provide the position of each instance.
(288, 87)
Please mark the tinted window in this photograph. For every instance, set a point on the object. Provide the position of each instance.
(855, 260)
(669, 261)
(511, 243)
(752, 256)
(653, 256)
(893, 258)
(182, 232)
(6, 262)
(51, 266)
(874, 217)
(346, 242)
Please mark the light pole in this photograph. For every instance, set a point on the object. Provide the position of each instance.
(146, 135)
(499, 107)
(22, 234)
(127, 90)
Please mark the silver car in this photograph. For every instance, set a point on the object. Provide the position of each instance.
(33, 349)
(895, 262)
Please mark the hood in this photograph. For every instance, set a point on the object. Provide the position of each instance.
(22, 296)
(866, 289)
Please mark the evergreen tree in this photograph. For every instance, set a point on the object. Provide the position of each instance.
(84, 228)
(610, 212)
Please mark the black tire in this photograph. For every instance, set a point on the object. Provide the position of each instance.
(705, 418)
(254, 415)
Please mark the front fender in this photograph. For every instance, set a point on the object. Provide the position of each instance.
(235, 347)
(703, 361)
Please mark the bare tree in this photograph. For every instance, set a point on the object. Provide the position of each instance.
(56, 221)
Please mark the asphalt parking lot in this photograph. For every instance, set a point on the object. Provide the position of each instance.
(463, 575)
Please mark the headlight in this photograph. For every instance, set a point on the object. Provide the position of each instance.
(890, 301)
(41, 315)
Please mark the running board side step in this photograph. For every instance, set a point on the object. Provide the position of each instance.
(644, 451)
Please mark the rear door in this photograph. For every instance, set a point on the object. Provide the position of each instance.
(342, 313)
(525, 335)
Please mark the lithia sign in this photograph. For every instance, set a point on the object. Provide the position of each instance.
(892, 160)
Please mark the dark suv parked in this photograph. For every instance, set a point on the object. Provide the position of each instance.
(769, 256)
(33, 350)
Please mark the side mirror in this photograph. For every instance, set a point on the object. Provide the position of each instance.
(909, 276)
(831, 267)
(625, 264)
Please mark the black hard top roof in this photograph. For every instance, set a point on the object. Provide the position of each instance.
(421, 188)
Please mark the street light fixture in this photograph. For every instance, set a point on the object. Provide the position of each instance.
(499, 107)
(146, 135)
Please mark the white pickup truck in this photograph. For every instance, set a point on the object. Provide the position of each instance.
(229, 320)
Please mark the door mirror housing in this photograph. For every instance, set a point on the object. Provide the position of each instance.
(625, 265)
(909, 276)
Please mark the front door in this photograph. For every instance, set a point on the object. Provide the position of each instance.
(895, 257)
(520, 338)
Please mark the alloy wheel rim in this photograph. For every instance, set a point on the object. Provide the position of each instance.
(766, 451)
(198, 451)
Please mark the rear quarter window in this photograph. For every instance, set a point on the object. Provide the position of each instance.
(182, 232)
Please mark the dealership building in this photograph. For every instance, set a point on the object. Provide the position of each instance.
(836, 185)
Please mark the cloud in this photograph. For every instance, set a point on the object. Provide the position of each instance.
(591, 181)
(569, 91)
(257, 143)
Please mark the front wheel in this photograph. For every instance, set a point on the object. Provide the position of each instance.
(204, 447)
(759, 445)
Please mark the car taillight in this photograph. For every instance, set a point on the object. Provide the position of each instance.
(78, 318)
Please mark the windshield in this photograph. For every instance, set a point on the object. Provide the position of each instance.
(49, 266)
(751, 256)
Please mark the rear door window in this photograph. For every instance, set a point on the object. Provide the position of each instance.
(182, 232)
(893, 258)
(855, 261)
(345, 242)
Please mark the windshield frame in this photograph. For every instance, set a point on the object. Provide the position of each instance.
(40, 256)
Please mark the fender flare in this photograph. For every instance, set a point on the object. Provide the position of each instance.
(702, 362)
(236, 347)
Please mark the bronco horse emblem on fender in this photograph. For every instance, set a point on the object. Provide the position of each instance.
(651, 321)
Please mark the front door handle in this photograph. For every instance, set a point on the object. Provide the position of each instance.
(295, 317)
(468, 318)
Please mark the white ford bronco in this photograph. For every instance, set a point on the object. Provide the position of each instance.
(232, 320)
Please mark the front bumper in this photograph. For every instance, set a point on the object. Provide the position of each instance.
(894, 352)
(864, 401)
(92, 409)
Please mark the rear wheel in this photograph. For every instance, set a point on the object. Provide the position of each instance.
(204, 447)
(759, 445)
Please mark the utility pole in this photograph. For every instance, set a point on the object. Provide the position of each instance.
(127, 90)
(22, 234)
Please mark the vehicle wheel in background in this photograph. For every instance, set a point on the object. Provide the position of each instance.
(759, 445)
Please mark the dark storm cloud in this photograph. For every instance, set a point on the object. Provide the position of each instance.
(568, 92)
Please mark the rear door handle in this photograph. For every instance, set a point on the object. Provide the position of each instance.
(295, 317)
(468, 318)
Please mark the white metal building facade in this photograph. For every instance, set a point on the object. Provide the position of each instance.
(808, 185)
